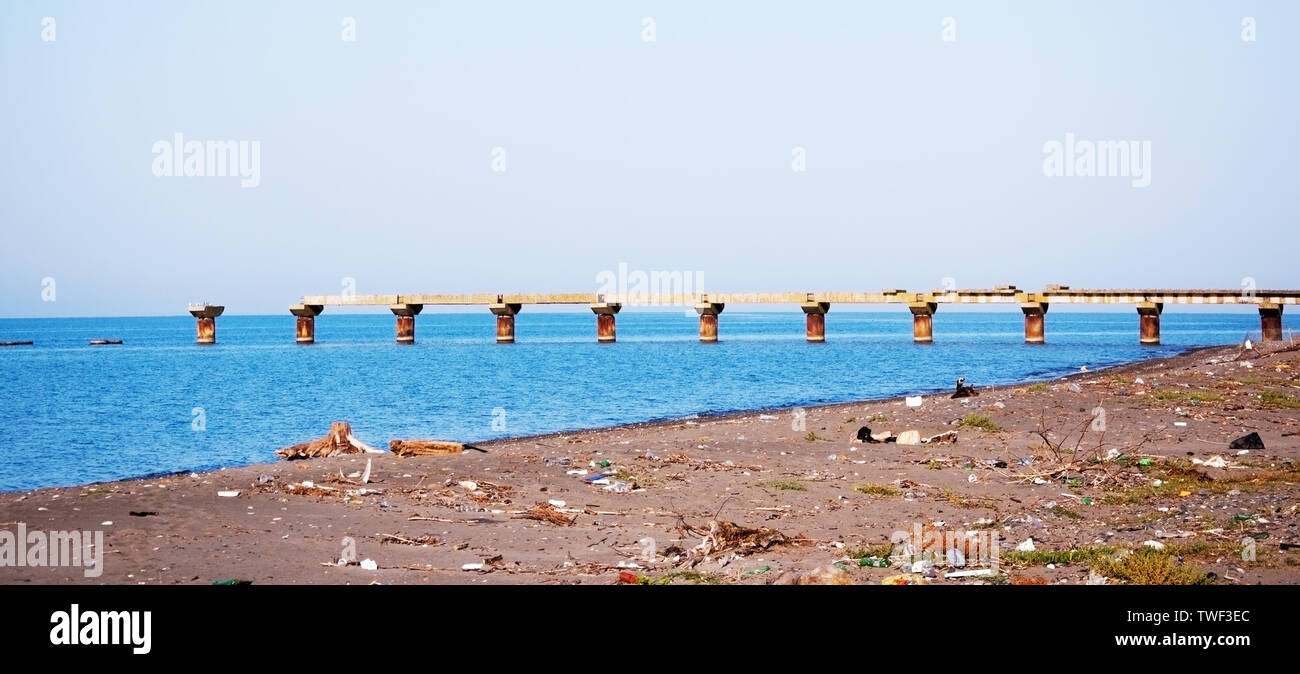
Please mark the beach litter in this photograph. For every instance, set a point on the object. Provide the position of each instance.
(909, 438)
(1248, 441)
(545, 512)
(723, 536)
(429, 447)
(913, 401)
(228, 494)
(339, 441)
(825, 575)
(369, 565)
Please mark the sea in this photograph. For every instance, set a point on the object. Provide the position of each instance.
(71, 413)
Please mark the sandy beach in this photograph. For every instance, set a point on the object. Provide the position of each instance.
(1090, 467)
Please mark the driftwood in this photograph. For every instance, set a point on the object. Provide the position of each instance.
(725, 536)
(429, 447)
(545, 512)
(339, 441)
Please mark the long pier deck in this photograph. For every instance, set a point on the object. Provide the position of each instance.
(815, 305)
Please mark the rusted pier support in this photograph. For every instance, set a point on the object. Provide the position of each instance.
(1034, 315)
(708, 312)
(922, 321)
(206, 321)
(815, 319)
(1270, 321)
(1149, 322)
(505, 320)
(605, 311)
(406, 314)
(306, 313)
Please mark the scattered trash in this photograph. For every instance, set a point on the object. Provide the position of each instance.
(265, 479)
(825, 575)
(969, 573)
(913, 401)
(545, 512)
(1154, 544)
(429, 447)
(1026, 546)
(904, 579)
(1075, 388)
(875, 562)
(1180, 423)
(556, 502)
(143, 513)
(468, 485)
(723, 536)
(758, 570)
(232, 581)
(1248, 441)
(102, 342)
(472, 566)
(228, 494)
(627, 577)
(945, 438)
(369, 565)
(1139, 381)
(339, 441)
(909, 438)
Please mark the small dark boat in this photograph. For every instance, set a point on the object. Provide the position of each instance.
(100, 342)
(27, 343)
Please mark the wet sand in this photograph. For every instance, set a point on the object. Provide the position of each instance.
(831, 498)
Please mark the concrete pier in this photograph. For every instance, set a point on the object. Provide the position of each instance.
(505, 313)
(1270, 321)
(1034, 318)
(815, 319)
(306, 329)
(205, 316)
(922, 321)
(406, 314)
(605, 328)
(1149, 322)
(708, 312)
(1150, 303)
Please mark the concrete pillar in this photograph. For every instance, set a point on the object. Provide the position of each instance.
(1270, 321)
(1149, 322)
(815, 319)
(205, 316)
(922, 321)
(605, 320)
(1034, 315)
(406, 314)
(708, 312)
(505, 320)
(306, 313)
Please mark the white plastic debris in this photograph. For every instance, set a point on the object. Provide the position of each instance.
(913, 401)
(469, 485)
(1154, 544)
(556, 502)
(1138, 381)
(228, 494)
(474, 566)
(1027, 546)
(1217, 461)
(909, 438)
(369, 565)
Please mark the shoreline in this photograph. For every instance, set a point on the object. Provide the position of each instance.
(426, 519)
(666, 421)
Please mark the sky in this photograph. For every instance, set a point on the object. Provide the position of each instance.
(527, 147)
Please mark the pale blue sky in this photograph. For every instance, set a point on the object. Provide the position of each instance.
(924, 157)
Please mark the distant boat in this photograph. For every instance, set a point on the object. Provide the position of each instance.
(27, 343)
(98, 342)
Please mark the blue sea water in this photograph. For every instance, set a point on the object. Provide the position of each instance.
(72, 413)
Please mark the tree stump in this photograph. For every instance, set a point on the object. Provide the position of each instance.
(339, 441)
